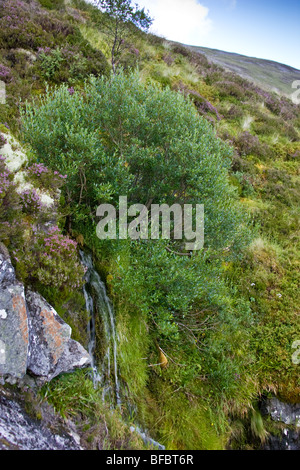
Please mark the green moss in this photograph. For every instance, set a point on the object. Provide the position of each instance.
(52, 4)
(32, 405)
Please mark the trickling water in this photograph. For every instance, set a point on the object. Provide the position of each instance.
(97, 302)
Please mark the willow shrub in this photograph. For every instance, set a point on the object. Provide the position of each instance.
(119, 137)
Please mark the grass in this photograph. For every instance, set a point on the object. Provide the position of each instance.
(74, 396)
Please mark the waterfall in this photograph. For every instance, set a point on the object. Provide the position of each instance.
(98, 303)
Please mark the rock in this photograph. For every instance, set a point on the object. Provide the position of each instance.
(2, 93)
(284, 412)
(289, 440)
(48, 335)
(33, 337)
(51, 350)
(73, 357)
(19, 431)
(14, 154)
(15, 157)
(30, 56)
(14, 336)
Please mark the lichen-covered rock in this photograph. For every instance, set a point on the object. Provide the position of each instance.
(15, 157)
(51, 350)
(19, 431)
(14, 335)
(74, 357)
(48, 335)
(32, 335)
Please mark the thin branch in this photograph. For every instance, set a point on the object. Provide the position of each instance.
(177, 253)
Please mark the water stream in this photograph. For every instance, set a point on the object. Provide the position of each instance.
(98, 303)
(106, 374)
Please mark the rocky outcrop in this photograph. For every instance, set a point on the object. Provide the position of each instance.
(20, 430)
(289, 440)
(33, 338)
(15, 158)
(51, 351)
(13, 153)
(288, 414)
(14, 331)
(285, 412)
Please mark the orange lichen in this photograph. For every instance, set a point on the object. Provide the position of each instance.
(18, 303)
(54, 334)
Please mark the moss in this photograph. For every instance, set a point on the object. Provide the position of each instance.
(53, 4)
(32, 405)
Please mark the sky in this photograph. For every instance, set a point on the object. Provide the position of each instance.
(266, 29)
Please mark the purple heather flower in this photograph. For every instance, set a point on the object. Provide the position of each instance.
(4, 71)
(3, 141)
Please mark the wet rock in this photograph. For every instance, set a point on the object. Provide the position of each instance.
(289, 438)
(285, 412)
(147, 439)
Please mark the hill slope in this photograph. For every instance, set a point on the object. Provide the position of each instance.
(269, 75)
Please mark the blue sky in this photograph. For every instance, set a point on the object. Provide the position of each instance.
(267, 29)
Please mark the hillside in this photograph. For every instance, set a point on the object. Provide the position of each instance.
(199, 350)
(269, 75)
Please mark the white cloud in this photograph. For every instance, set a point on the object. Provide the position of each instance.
(184, 21)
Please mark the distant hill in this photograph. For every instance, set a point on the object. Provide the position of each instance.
(267, 74)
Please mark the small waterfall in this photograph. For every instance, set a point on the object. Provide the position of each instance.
(98, 303)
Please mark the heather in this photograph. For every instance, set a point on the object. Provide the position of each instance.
(22, 216)
(9, 201)
(50, 260)
(43, 177)
(37, 46)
